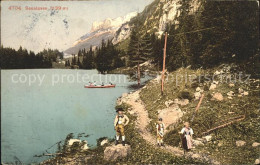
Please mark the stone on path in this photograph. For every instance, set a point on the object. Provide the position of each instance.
(255, 144)
(218, 96)
(240, 143)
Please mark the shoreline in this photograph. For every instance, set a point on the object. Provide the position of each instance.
(143, 105)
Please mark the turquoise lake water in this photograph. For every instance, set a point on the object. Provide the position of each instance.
(38, 113)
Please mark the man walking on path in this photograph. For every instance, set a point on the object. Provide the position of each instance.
(120, 122)
(160, 132)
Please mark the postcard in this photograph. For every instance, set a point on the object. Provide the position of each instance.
(130, 82)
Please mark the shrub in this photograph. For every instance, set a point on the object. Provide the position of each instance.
(185, 95)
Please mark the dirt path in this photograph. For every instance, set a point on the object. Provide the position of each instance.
(143, 120)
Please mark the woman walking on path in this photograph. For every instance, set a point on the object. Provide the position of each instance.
(187, 133)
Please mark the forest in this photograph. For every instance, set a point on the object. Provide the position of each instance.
(213, 35)
(24, 59)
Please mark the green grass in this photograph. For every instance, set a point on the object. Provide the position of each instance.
(171, 92)
(211, 113)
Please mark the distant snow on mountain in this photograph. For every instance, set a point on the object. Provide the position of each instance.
(100, 30)
(108, 23)
(61, 29)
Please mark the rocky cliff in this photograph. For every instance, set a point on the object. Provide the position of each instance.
(155, 17)
(100, 30)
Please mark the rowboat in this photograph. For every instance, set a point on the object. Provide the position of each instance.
(100, 86)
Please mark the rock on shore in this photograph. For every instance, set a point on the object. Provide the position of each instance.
(116, 151)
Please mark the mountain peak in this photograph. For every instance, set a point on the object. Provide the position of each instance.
(112, 23)
(105, 29)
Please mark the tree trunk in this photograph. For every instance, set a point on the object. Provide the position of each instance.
(164, 57)
(138, 75)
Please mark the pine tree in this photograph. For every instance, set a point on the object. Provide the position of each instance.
(100, 58)
(79, 63)
(138, 49)
(107, 57)
(88, 59)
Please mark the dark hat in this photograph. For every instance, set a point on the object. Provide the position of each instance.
(119, 109)
(160, 119)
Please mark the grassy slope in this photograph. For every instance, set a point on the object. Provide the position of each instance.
(210, 114)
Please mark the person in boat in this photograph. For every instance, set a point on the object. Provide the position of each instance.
(90, 83)
(94, 83)
(110, 83)
(186, 133)
(160, 132)
(121, 120)
(102, 84)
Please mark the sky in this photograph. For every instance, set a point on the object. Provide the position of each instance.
(57, 29)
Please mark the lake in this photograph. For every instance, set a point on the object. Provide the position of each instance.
(42, 106)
